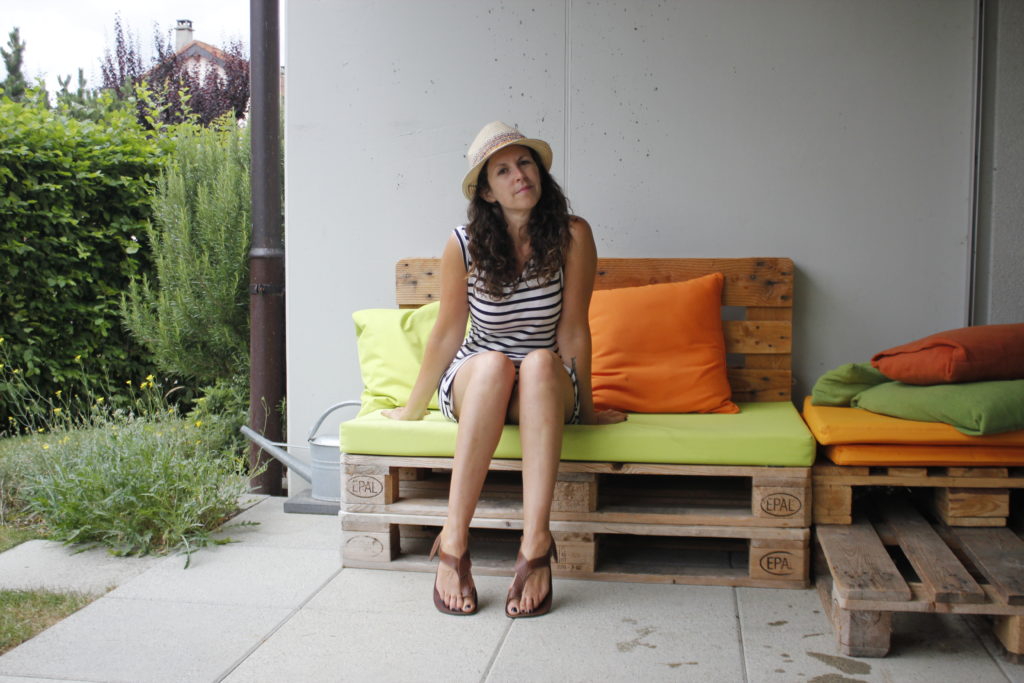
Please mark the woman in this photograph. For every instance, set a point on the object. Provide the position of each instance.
(522, 270)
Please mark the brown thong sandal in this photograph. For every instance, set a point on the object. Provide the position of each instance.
(461, 565)
(523, 570)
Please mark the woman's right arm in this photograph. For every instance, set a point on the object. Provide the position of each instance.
(446, 337)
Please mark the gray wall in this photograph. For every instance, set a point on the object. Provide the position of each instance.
(837, 133)
(999, 292)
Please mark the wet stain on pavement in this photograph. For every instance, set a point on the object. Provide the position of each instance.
(630, 645)
(778, 623)
(844, 664)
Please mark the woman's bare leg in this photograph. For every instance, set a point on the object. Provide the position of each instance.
(481, 393)
(543, 401)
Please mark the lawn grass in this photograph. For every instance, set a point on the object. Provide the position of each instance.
(23, 614)
(11, 536)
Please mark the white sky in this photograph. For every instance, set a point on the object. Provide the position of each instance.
(62, 36)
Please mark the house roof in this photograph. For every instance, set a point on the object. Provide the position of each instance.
(198, 48)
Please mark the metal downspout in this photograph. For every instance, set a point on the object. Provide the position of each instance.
(266, 257)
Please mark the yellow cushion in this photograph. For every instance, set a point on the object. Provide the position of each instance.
(760, 434)
(922, 456)
(833, 425)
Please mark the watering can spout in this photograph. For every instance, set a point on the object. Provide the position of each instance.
(297, 466)
(324, 472)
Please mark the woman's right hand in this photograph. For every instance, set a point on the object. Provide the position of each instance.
(404, 413)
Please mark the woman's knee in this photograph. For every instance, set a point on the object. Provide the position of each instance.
(495, 368)
(542, 366)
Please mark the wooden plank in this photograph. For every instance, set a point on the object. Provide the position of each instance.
(763, 282)
(760, 384)
(974, 472)
(956, 502)
(796, 474)
(857, 633)
(832, 504)
(762, 337)
(770, 559)
(941, 572)
(859, 564)
(999, 555)
(1010, 631)
(909, 472)
(771, 501)
(764, 313)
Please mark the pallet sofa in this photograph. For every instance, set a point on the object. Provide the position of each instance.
(913, 517)
(681, 498)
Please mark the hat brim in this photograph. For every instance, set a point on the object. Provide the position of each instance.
(542, 148)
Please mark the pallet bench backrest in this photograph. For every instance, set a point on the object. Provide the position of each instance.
(757, 311)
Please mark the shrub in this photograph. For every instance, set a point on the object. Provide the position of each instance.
(194, 316)
(74, 195)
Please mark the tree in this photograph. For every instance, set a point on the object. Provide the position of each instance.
(174, 89)
(14, 85)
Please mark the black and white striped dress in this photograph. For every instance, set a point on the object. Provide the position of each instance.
(524, 321)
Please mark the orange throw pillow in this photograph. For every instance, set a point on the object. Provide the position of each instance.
(968, 354)
(660, 348)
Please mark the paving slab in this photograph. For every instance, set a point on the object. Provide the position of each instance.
(56, 567)
(274, 528)
(144, 640)
(605, 631)
(237, 574)
(786, 637)
(381, 626)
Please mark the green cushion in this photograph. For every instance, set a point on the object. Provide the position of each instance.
(391, 343)
(838, 387)
(760, 434)
(974, 408)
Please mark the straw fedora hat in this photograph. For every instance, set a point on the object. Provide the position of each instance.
(492, 137)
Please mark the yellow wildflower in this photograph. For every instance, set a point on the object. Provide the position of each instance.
(58, 393)
(56, 411)
(199, 423)
(46, 446)
(149, 378)
(100, 399)
(78, 357)
(16, 371)
(128, 382)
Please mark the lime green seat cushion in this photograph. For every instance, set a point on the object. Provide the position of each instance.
(760, 434)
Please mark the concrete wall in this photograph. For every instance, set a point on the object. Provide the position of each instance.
(837, 133)
(999, 290)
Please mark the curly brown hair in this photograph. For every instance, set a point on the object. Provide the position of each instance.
(491, 248)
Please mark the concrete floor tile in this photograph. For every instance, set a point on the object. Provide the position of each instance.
(389, 592)
(237, 574)
(142, 640)
(53, 566)
(277, 529)
(786, 637)
(322, 645)
(619, 631)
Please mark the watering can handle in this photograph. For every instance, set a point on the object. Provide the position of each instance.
(320, 420)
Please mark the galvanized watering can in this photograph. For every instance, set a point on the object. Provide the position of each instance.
(324, 472)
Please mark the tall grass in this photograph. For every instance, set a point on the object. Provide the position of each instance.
(137, 479)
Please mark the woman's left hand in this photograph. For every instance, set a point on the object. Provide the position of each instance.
(608, 417)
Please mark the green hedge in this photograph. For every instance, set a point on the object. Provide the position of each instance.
(74, 196)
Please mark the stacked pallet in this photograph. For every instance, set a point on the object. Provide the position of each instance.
(695, 524)
(897, 561)
(960, 496)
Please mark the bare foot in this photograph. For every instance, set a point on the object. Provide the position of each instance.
(535, 589)
(455, 596)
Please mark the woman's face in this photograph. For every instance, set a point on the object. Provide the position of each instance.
(513, 178)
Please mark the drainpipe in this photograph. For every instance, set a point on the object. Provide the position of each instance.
(266, 257)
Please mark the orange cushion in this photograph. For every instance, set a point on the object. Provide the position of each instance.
(660, 348)
(968, 354)
(921, 456)
(831, 425)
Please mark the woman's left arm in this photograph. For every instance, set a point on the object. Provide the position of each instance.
(574, 324)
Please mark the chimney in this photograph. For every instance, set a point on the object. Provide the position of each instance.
(182, 34)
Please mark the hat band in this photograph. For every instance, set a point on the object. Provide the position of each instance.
(495, 141)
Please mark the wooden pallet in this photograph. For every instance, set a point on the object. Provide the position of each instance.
(960, 496)
(930, 568)
(761, 513)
